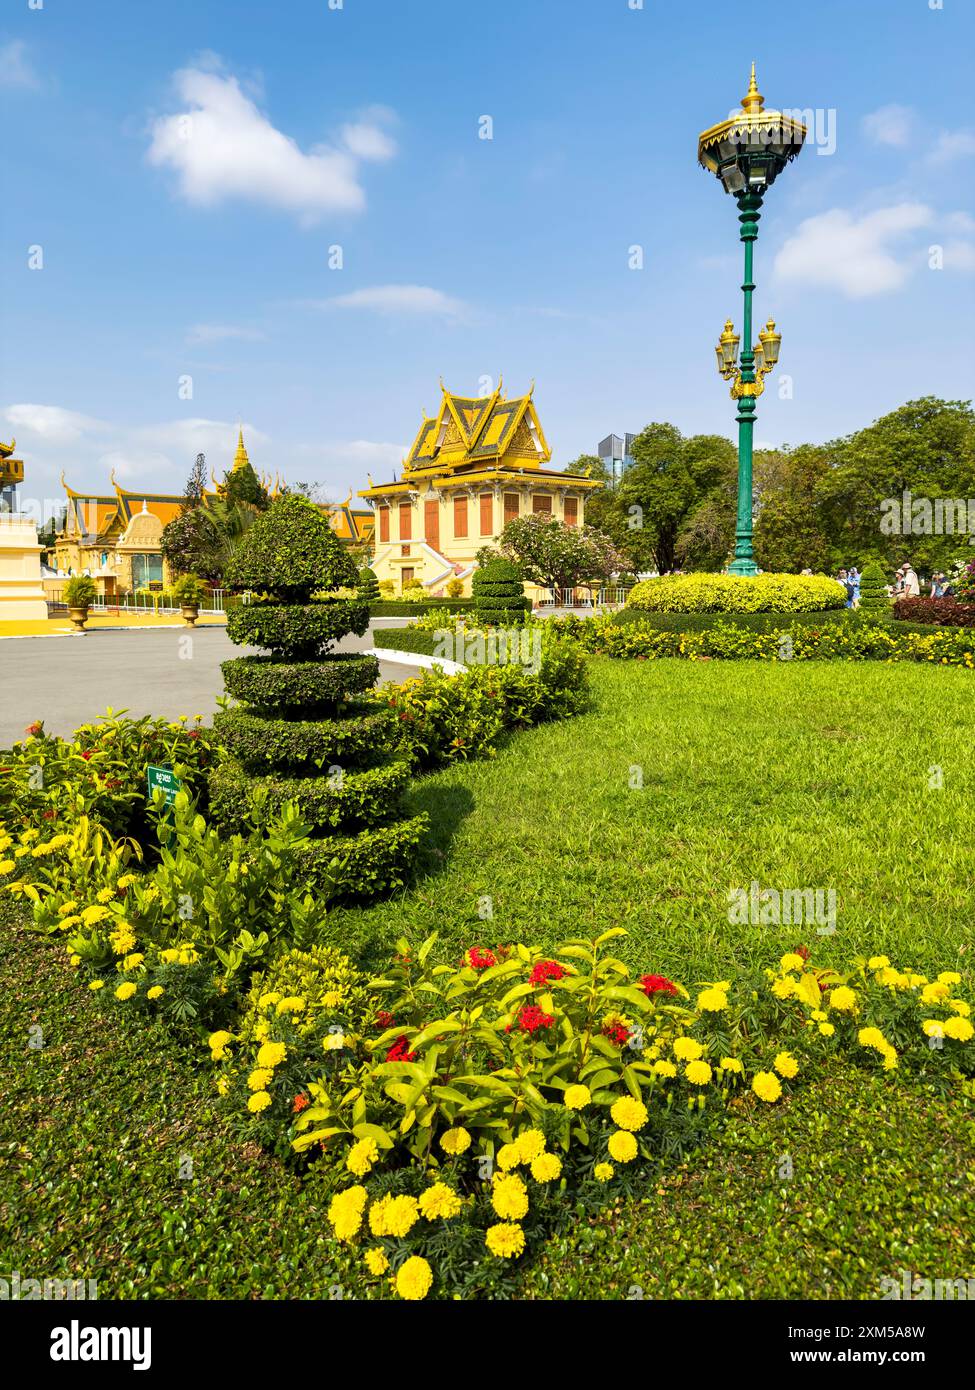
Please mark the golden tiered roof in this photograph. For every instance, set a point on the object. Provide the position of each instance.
(11, 469)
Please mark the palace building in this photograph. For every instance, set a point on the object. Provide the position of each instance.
(115, 536)
(473, 467)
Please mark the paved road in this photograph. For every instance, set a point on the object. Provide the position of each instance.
(68, 681)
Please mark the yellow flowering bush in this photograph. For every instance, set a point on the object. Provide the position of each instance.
(729, 593)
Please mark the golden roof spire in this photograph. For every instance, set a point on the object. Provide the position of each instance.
(753, 101)
(240, 458)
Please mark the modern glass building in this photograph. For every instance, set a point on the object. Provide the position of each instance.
(614, 452)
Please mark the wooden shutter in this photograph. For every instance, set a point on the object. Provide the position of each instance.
(542, 502)
(384, 523)
(571, 513)
(460, 518)
(405, 521)
(431, 523)
(487, 514)
(511, 507)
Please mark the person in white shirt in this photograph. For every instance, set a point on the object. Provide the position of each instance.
(912, 588)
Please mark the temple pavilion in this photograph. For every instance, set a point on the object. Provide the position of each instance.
(473, 467)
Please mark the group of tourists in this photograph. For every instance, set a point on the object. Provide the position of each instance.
(906, 584)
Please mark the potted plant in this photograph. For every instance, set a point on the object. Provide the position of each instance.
(80, 593)
(187, 592)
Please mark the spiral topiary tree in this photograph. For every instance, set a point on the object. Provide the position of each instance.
(498, 594)
(874, 600)
(369, 586)
(302, 731)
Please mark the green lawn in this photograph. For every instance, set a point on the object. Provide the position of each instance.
(795, 775)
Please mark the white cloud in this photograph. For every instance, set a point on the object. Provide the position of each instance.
(51, 423)
(221, 146)
(838, 250)
(890, 125)
(960, 255)
(951, 145)
(222, 332)
(16, 67)
(398, 299)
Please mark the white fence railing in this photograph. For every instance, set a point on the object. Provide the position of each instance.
(586, 597)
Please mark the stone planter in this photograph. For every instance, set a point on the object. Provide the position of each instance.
(78, 616)
(189, 612)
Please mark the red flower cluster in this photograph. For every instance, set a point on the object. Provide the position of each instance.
(479, 959)
(384, 1019)
(531, 1019)
(617, 1033)
(34, 729)
(300, 1104)
(86, 756)
(194, 733)
(802, 951)
(657, 984)
(546, 970)
(400, 1051)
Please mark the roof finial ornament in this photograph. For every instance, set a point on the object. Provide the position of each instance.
(753, 100)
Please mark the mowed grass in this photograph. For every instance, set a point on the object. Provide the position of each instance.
(855, 777)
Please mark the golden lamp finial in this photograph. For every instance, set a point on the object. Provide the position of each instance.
(753, 100)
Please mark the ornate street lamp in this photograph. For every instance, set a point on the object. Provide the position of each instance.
(747, 152)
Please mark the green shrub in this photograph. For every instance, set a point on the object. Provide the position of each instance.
(296, 632)
(261, 681)
(874, 598)
(352, 800)
(80, 591)
(290, 552)
(361, 734)
(730, 593)
(455, 588)
(498, 594)
(368, 586)
(187, 589)
(402, 608)
(368, 865)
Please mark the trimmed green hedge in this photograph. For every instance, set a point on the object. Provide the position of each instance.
(264, 682)
(704, 622)
(733, 593)
(369, 864)
(402, 608)
(358, 800)
(296, 630)
(405, 639)
(499, 594)
(362, 736)
(291, 552)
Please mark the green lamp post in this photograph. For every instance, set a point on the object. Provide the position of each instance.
(747, 152)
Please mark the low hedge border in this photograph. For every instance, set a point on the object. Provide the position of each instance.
(403, 608)
(369, 864)
(405, 639)
(350, 742)
(360, 800)
(297, 630)
(265, 682)
(940, 612)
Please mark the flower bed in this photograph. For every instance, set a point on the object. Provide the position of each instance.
(945, 612)
(730, 593)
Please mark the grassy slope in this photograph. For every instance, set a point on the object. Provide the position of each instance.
(811, 775)
(94, 1126)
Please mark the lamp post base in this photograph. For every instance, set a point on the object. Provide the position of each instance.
(743, 566)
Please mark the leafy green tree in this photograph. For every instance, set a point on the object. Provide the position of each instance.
(244, 488)
(554, 555)
(789, 529)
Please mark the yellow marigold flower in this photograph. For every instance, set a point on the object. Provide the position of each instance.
(455, 1141)
(155, 993)
(949, 977)
(531, 1142)
(766, 1086)
(509, 1156)
(259, 1101)
(934, 993)
(687, 1049)
(622, 1146)
(871, 1037)
(332, 999)
(546, 1168)
(959, 1006)
(334, 1042)
(843, 999)
(440, 1201)
(271, 1054)
(817, 1016)
(362, 1156)
(878, 962)
(890, 1057)
(376, 1261)
(401, 1216)
(664, 1068)
(791, 961)
(629, 1113)
(732, 1064)
(260, 1078)
(127, 880)
(933, 1028)
(7, 866)
(65, 908)
(505, 1240)
(97, 984)
(92, 915)
(712, 1001)
(170, 956)
(291, 1005)
(786, 1065)
(603, 1172)
(122, 939)
(345, 1212)
(188, 955)
(827, 1030)
(220, 1039)
(510, 1197)
(29, 836)
(267, 1001)
(125, 991)
(698, 1073)
(784, 988)
(576, 1097)
(74, 960)
(105, 895)
(958, 1028)
(134, 961)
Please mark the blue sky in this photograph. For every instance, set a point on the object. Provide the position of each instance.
(200, 247)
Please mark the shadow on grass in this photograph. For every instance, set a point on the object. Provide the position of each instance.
(446, 806)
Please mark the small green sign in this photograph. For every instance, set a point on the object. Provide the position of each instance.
(165, 779)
